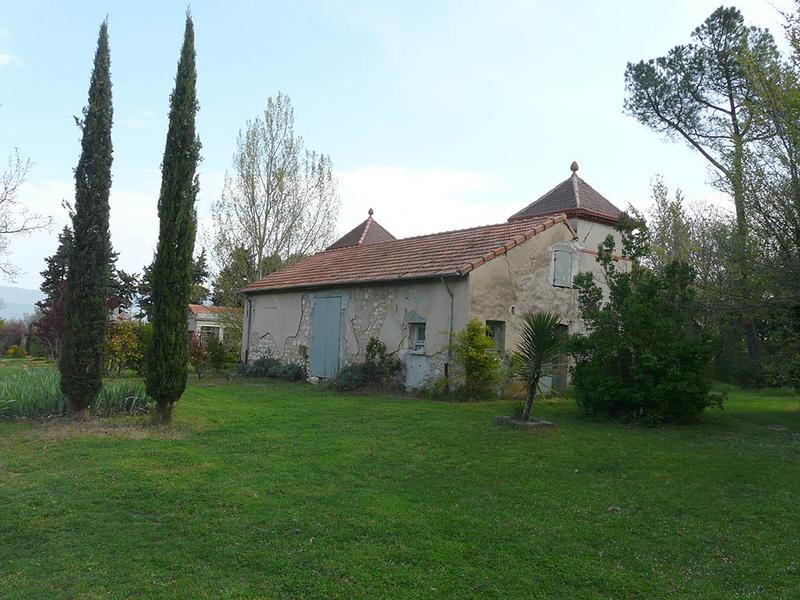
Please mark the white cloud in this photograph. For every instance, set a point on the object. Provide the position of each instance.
(417, 201)
(7, 58)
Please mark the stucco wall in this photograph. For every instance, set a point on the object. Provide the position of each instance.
(519, 281)
(503, 289)
(591, 235)
(279, 323)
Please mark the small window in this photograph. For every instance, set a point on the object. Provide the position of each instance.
(207, 332)
(562, 268)
(418, 337)
(497, 331)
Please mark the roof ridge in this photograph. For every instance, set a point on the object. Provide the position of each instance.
(424, 235)
(576, 188)
(458, 256)
(367, 223)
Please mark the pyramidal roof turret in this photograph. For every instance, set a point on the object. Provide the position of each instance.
(575, 198)
(365, 233)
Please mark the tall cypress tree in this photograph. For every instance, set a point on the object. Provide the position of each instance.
(85, 313)
(168, 356)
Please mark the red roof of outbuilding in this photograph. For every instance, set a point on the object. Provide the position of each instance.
(199, 309)
(452, 253)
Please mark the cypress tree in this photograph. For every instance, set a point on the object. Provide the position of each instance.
(168, 356)
(85, 313)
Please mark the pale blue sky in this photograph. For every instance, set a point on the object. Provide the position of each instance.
(436, 114)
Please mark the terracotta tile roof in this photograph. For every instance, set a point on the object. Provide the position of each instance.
(200, 309)
(452, 253)
(573, 197)
(367, 232)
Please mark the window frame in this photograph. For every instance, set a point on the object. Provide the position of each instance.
(554, 281)
(415, 342)
(492, 325)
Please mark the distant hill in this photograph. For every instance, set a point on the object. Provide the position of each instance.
(18, 302)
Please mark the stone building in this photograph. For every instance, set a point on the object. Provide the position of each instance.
(209, 321)
(414, 293)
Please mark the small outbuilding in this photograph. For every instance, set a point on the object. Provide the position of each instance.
(209, 321)
(414, 293)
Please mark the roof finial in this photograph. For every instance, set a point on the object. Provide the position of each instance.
(370, 211)
(574, 167)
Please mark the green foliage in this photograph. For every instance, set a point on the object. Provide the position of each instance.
(125, 347)
(305, 356)
(35, 392)
(199, 294)
(705, 93)
(541, 344)
(168, 355)
(518, 410)
(220, 356)
(475, 359)
(259, 367)
(85, 313)
(267, 366)
(125, 396)
(15, 351)
(287, 372)
(642, 357)
(379, 371)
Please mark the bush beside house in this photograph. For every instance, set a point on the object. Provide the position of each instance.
(643, 356)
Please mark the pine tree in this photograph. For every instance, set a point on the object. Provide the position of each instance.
(168, 356)
(85, 314)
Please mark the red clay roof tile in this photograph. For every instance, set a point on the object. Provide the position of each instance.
(451, 253)
(575, 198)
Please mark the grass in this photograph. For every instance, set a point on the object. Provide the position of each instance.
(280, 490)
(33, 391)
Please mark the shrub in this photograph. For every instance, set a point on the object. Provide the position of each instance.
(35, 393)
(12, 333)
(217, 353)
(379, 372)
(15, 351)
(198, 354)
(352, 378)
(474, 355)
(518, 410)
(288, 372)
(642, 357)
(259, 367)
(267, 366)
(302, 350)
(124, 348)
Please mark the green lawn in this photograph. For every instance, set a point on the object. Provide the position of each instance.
(269, 490)
(12, 365)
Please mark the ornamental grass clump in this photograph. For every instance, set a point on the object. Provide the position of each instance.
(35, 393)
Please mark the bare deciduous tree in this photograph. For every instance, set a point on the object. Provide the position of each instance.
(15, 219)
(279, 200)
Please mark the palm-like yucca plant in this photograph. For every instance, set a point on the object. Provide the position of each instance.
(540, 345)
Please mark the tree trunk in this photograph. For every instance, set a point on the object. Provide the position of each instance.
(162, 413)
(78, 412)
(526, 414)
(742, 258)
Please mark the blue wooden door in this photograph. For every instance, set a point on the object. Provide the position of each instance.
(325, 336)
